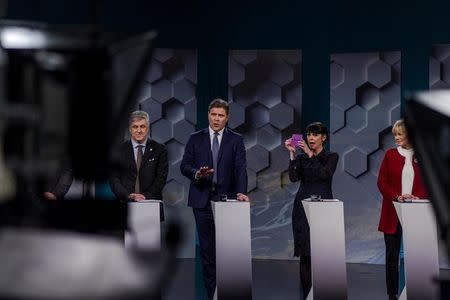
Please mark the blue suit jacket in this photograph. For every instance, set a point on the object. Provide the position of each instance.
(231, 166)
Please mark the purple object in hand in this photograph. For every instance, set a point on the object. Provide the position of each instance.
(295, 140)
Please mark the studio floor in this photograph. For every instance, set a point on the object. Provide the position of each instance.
(279, 279)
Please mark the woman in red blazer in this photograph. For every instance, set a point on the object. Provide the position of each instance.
(399, 179)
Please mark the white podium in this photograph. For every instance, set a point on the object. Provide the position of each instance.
(144, 225)
(420, 249)
(233, 250)
(327, 238)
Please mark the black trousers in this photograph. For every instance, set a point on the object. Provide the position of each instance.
(305, 274)
(206, 233)
(392, 242)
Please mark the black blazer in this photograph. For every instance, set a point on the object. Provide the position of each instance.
(152, 175)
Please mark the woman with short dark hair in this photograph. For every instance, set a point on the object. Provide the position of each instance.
(314, 168)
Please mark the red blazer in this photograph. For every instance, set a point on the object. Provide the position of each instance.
(390, 186)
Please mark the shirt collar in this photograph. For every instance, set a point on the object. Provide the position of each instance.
(211, 132)
(135, 144)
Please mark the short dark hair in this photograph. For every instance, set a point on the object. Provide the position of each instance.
(318, 128)
(219, 103)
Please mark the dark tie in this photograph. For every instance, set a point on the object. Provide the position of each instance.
(137, 188)
(215, 153)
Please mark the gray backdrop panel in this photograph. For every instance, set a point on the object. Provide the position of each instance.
(265, 90)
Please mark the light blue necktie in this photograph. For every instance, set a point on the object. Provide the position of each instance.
(215, 153)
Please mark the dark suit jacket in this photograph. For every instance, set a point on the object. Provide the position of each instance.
(62, 185)
(231, 166)
(152, 175)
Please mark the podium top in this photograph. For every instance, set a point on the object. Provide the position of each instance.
(147, 201)
(413, 201)
(321, 200)
(418, 201)
(230, 200)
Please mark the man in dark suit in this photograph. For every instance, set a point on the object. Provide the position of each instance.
(62, 185)
(214, 160)
(143, 164)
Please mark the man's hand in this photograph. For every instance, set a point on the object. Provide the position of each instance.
(242, 197)
(49, 196)
(136, 197)
(204, 171)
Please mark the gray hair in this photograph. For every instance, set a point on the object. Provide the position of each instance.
(138, 115)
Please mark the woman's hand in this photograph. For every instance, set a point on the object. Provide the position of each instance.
(406, 197)
(306, 149)
(291, 149)
(288, 145)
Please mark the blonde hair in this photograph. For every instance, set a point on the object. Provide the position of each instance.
(399, 126)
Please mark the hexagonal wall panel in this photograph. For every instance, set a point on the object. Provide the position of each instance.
(161, 131)
(162, 55)
(356, 118)
(242, 96)
(153, 108)
(250, 137)
(279, 159)
(183, 90)
(282, 74)
(281, 115)
(190, 111)
(266, 84)
(244, 57)
(338, 120)
(173, 110)
(257, 158)
(162, 90)
(237, 115)
(154, 73)
(258, 115)
(434, 72)
(268, 137)
(337, 74)
(238, 73)
(439, 67)
(360, 115)
(268, 94)
(367, 96)
(182, 131)
(175, 150)
(169, 98)
(379, 73)
(355, 162)
(292, 57)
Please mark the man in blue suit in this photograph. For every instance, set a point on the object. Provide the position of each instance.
(214, 160)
